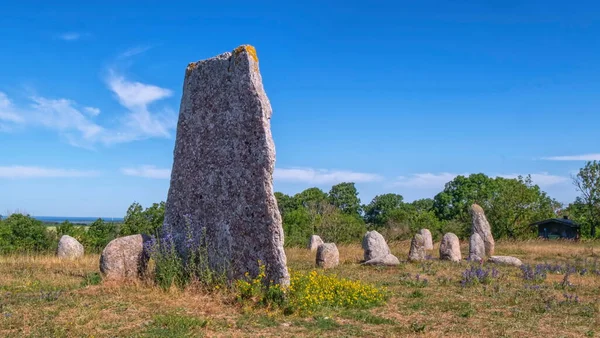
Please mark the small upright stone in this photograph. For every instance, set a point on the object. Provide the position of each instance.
(417, 249)
(221, 187)
(328, 256)
(450, 248)
(314, 242)
(124, 258)
(69, 247)
(427, 238)
(476, 248)
(374, 245)
(481, 226)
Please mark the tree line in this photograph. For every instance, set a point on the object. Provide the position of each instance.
(338, 215)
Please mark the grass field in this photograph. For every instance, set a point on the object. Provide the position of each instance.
(44, 297)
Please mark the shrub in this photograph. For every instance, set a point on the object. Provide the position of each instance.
(99, 234)
(68, 228)
(24, 233)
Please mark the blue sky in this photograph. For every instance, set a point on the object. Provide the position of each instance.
(396, 97)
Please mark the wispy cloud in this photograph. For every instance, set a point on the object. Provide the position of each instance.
(583, 157)
(92, 111)
(17, 172)
(71, 36)
(148, 171)
(8, 112)
(134, 51)
(323, 176)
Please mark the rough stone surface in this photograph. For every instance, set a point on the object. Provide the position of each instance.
(389, 260)
(481, 226)
(314, 242)
(507, 260)
(222, 178)
(417, 249)
(450, 248)
(427, 238)
(476, 248)
(69, 247)
(124, 258)
(374, 245)
(328, 256)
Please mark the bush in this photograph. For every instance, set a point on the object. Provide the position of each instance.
(140, 221)
(99, 234)
(70, 229)
(21, 233)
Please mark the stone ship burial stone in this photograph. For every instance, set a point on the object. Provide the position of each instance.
(427, 238)
(69, 247)
(506, 260)
(417, 249)
(328, 256)
(221, 185)
(124, 258)
(476, 248)
(314, 242)
(481, 226)
(374, 246)
(450, 248)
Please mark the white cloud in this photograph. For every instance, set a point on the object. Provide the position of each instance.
(92, 111)
(136, 97)
(321, 176)
(8, 112)
(134, 51)
(147, 171)
(583, 157)
(40, 172)
(71, 36)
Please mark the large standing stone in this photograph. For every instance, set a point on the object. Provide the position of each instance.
(506, 260)
(328, 256)
(450, 248)
(482, 227)
(314, 242)
(124, 258)
(69, 247)
(427, 238)
(476, 248)
(222, 178)
(417, 249)
(374, 245)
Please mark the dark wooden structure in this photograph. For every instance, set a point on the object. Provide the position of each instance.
(555, 228)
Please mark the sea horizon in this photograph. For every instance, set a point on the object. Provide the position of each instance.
(73, 219)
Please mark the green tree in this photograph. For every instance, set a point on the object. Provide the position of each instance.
(378, 211)
(99, 234)
(344, 196)
(68, 228)
(285, 203)
(24, 233)
(309, 197)
(453, 202)
(140, 221)
(587, 182)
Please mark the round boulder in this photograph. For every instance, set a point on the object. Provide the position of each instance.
(328, 256)
(450, 248)
(69, 247)
(124, 258)
(374, 245)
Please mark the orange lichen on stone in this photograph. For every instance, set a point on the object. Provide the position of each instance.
(249, 49)
(191, 66)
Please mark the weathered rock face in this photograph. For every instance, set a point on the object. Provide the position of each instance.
(222, 177)
(124, 258)
(328, 256)
(476, 248)
(388, 260)
(481, 226)
(450, 248)
(507, 260)
(314, 242)
(417, 249)
(427, 238)
(374, 245)
(69, 247)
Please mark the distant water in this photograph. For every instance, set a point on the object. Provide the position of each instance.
(78, 220)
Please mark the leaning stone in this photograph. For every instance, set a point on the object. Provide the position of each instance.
(314, 242)
(328, 256)
(221, 185)
(476, 248)
(374, 245)
(124, 258)
(387, 260)
(506, 260)
(69, 247)
(450, 248)
(417, 249)
(481, 226)
(427, 238)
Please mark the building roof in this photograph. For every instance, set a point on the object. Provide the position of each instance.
(563, 221)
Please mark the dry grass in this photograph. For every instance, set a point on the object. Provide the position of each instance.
(42, 296)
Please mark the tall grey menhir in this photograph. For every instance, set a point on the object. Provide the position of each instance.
(222, 179)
